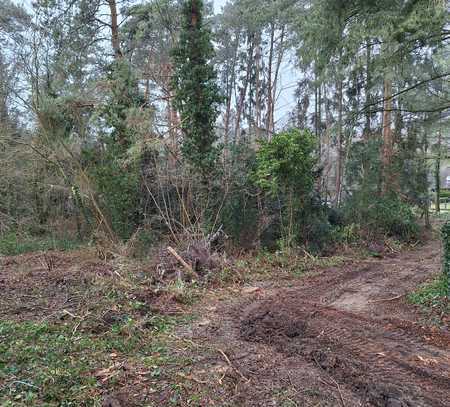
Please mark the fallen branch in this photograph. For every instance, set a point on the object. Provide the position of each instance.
(187, 266)
(70, 314)
(231, 365)
(336, 384)
(309, 255)
(24, 383)
(387, 299)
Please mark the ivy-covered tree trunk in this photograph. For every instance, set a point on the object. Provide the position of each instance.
(197, 96)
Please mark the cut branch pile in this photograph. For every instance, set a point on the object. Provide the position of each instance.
(196, 262)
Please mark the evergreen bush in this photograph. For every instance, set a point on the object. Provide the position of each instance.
(445, 233)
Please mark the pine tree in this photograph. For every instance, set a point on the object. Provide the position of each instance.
(197, 97)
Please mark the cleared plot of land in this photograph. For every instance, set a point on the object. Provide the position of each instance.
(76, 330)
(343, 337)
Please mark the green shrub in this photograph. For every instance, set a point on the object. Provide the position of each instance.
(239, 215)
(285, 171)
(445, 193)
(113, 164)
(445, 232)
(286, 163)
(314, 228)
(382, 216)
(117, 182)
(346, 234)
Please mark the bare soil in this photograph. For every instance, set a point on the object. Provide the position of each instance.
(345, 336)
(342, 336)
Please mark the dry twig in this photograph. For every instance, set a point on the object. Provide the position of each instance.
(336, 384)
(227, 359)
(387, 299)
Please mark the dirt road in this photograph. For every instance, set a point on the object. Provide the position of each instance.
(344, 337)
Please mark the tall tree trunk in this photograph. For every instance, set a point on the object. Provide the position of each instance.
(387, 149)
(115, 40)
(426, 202)
(269, 80)
(316, 110)
(173, 122)
(275, 79)
(230, 86)
(368, 124)
(243, 90)
(327, 164)
(438, 173)
(319, 119)
(339, 144)
(258, 90)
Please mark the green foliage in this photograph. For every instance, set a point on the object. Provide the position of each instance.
(332, 34)
(285, 170)
(389, 215)
(314, 229)
(56, 117)
(445, 232)
(346, 234)
(411, 165)
(345, 49)
(445, 193)
(239, 215)
(378, 216)
(114, 170)
(432, 295)
(197, 96)
(123, 99)
(285, 163)
(46, 364)
(363, 169)
(36, 360)
(118, 184)
(12, 244)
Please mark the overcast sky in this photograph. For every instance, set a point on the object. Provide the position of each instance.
(218, 5)
(287, 83)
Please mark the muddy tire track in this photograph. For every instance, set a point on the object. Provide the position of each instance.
(360, 341)
(383, 364)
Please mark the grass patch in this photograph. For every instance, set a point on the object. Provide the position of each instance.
(52, 365)
(432, 296)
(283, 264)
(12, 244)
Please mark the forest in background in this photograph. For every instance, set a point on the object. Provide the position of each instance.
(224, 208)
(128, 123)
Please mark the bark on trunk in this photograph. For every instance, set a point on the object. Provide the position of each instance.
(275, 80)
(258, 93)
(368, 125)
(115, 40)
(243, 90)
(438, 174)
(339, 145)
(230, 86)
(269, 81)
(387, 150)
